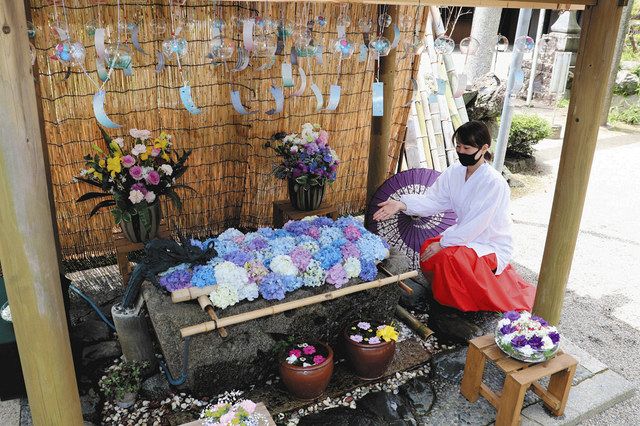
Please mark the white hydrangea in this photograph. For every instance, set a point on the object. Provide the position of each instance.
(311, 246)
(224, 296)
(6, 313)
(547, 344)
(248, 291)
(230, 234)
(503, 322)
(352, 267)
(314, 275)
(283, 265)
(230, 275)
(526, 350)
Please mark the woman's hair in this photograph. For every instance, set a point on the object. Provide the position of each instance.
(473, 133)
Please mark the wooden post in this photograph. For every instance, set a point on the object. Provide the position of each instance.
(597, 44)
(27, 243)
(381, 126)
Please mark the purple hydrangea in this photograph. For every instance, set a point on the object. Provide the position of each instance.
(555, 337)
(272, 287)
(176, 280)
(350, 250)
(322, 221)
(301, 258)
(535, 342)
(337, 276)
(297, 227)
(313, 232)
(238, 257)
(519, 341)
(352, 233)
(256, 244)
(507, 329)
(512, 315)
(541, 320)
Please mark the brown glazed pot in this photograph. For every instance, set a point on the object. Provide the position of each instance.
(307, 383)
(369, 361)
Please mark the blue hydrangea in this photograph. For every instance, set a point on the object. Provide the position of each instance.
(328, 256)
(291, 282)
(371, 248)
(225, 246)
(368, 271)
(281, 233)
(272, 287)
(203, 275)
(282, 245)
(329, 235)
(339, 243)
(267, 233)
(297, 227)
(322, 221)
(202, 244)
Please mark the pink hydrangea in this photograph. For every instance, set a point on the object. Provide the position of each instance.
(313, 232)
(136, 172)
(309, 350)
(153, 178)
(337, 275)
(318, 359)
(350, 250)
(295, 352)
(155, 152)
(323, 138)
(301, 258)
(248, 405)
(352, 233)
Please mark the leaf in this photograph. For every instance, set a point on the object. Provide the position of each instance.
(97, 148)
(175, 198)
(100, 205)
(92, 195)
(90, 182)
(145, 217)
(105, 136)
(126, 216)
(117, 215)
(183, 186)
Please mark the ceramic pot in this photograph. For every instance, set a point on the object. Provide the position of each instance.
(307, 383)
(135, 232)
(369, 361)
(127, 400)
(305, 199)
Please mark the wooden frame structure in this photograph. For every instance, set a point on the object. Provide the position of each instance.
(28, 244)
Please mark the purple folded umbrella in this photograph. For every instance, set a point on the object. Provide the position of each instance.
(407, 233)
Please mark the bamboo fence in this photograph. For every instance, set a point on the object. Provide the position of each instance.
(230, 167)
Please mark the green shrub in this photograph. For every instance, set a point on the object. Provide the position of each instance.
(526, 131)
(121, 379)
(629, 114)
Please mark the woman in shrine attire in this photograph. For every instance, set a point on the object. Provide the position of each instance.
(468, 265)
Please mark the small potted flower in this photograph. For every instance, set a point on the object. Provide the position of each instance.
(527, 337)
(308, 164)
(306, 369)
(134, 179)
(370, 347)
(122, 381)
(227, 414)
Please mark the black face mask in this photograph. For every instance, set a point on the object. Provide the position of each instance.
(469, 159)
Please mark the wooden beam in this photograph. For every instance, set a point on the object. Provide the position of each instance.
(509, 4)
(597, 44)
(381, 126)
(27, 244)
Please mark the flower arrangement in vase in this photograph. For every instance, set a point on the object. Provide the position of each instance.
(242, 412)
(308, 164)
(134, 178)
(527, 337)
(306, 369)
(370, 347)
(122, 382)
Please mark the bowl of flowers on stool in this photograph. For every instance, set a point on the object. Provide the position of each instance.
(306, 369)
(527, 337)
(370, 347)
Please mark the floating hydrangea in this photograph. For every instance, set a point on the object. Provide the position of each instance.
(248, 291)
(238, 257)
(350, 250)
(301, 258)
(230, 234)
(203, 276)
(327, 256)
(224, 296)
(255, 271)
(283, 265)
(369, 271)
(311, 246)
(337, 276)
(272, 287)
(329, 235)
(176, 279)
(291, 283)
(230, 274)
(282, 245)
(352, 233)
(314, 276)
(352, 267)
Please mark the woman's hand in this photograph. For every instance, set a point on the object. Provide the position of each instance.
(430, 251)
(388, 208)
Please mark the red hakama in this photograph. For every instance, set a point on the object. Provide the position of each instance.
(467, 282)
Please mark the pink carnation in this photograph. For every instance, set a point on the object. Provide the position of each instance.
(153, 178)
(136, 172)
(309, 350)
(318, 359)
(295, 352)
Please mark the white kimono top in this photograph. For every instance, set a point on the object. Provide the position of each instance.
(481, 204)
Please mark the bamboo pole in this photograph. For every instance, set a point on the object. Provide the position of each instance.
(423, 133)
(294, 304)
(595, 54)
(434, 127)
(448, 63)
(413, 322)
(27, 245)
(513, 4)
(456, 121)
(207, 306)
(381, 126)
(430, 144)
(443, 108)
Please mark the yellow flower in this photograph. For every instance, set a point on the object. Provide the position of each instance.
(114, 165)
(165, 156)
(146, 154)
(161, 143)
(97, 175)
(102, 163)
(388, 333)
(116, 148)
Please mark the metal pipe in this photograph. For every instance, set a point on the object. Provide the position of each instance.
(536, 51)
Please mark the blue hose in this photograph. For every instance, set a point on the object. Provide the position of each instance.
(87, 299)
(185, 350)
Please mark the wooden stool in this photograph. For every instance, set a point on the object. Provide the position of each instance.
(283, 211)
(124, 247)
(520, 376)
